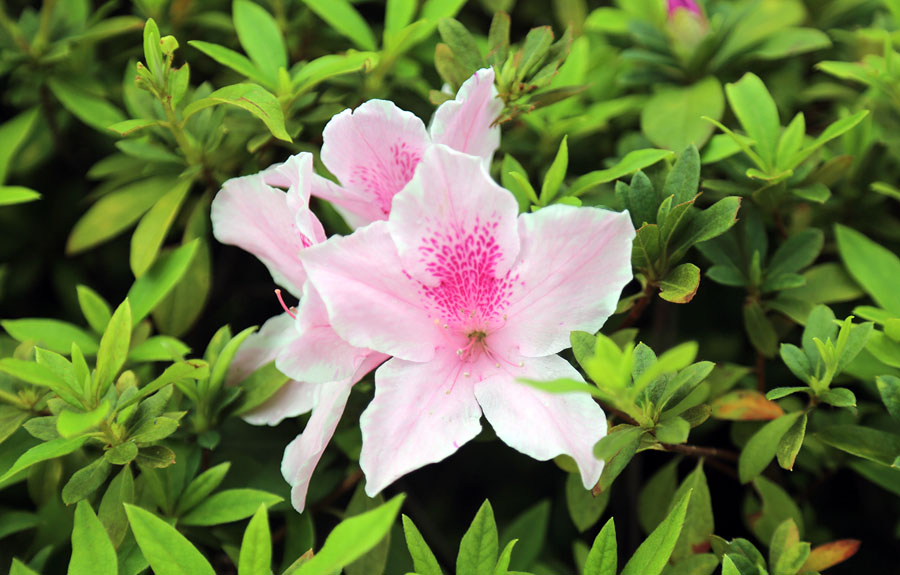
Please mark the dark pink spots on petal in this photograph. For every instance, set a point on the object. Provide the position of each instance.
(469, 295)
(384, 179)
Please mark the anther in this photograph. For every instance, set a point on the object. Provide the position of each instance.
(283, 305)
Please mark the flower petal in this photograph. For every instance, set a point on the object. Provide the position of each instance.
(317, 354)
(453, 207)
(466, 123)
(303, 453)
(263, 220)
(421, 414)
(371, 302)
(572, 267)
(543, 425)
(355, 206)
(374, 150)
(259, 349)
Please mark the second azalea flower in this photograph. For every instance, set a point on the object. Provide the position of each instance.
(467, 297)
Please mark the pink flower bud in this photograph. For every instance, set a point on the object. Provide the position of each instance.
(689, 5)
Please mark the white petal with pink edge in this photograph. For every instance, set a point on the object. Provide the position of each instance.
(466, 123)
(371, 301)
(374, 149)
(422, 413)
(572, 267)
(539, 424)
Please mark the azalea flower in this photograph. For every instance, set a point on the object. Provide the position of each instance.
(468, 297)
(252, 213)
(374, 150)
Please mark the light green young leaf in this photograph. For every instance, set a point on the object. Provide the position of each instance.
(153, 56)
(653, 554)
(352, 538)
(555, 175)
(673, 117)
(790, 444)
(154, 225)
(42, 452)
(201, 487)
(343, 17)
(479, 546)
(251, 97)
(11, 195)
(95, 310)
(159, 280)
(71, 424)
(51, 334)
(113, 348)
(13, 134)
(831, 132)
(87, 107)
(256, 546)
(167, 550)
(632, 162)
(763, 445)
(755, 109)
(92, 551)
(874, 267)
(234, 60)
(603, 556)
(424, 561)
(261, 38)
(223, 361)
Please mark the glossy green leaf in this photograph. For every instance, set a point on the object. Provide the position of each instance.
(250, 97)
(51, 334)
(113, 347)
(653, 554)
(256, 546)
(13, 134)
(159, 280)
(632, 162)
(763, 445)
(479, 546)
(584, 507)
(424, 561)
(167, 550)
(95, 310)
(151, 231)
(42, 452)
(889, 388)
(603, 556)
(227, 506)
(260, 37)
(673, 117)
(92, 551)
(343, 17)
(872, 444)
(680, 285)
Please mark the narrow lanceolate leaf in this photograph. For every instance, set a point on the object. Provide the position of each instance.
(94, 308)
(113, 347)
(47, 450)
(653, 554)
(343, 17)
(12, 195)
(790, 444)
(260, 37)
(256, 546)
(251, 97)
(754, 107)
(352, 538)
(151, 231)
(167, 550)
(51, 334)
(762, 447)
(698, 520)
(159, 280)
(92, 551)
(873, 444)
(830, 554)
(603, 556)
(479, 546)
(227, 506)
(872, 266)
(424, 561)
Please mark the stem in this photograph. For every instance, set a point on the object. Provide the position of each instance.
(698, 451)
(43, 34)
(638, 309)
(620, 414)
(177, 129)
(760, 372)
(346, 485)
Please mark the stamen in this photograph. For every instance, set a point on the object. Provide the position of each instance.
(283, 305)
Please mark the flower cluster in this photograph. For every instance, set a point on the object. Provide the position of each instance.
(443, 285)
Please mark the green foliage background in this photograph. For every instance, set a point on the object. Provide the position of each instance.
(752, 419)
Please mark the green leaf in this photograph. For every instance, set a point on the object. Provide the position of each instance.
(584, 507)
(872, 266)
(234, 60)
(838, 397)
(797, 361)
(19, 568)
(632, 162)
(227, 506)
(33, 373)
(872, 444)
(86, 480)
(131, 126)
(889, 388)
(153, 55)
(673, 117)
(763, 445)
(71, 424)
(673, 430)
(112, 506)
(11, 195)
(167, 550)
(680, 285)
(462, 44)
(261, 38)
(759, 329)
(223, 361)
(13, 134)
(42, 452)
(159, 348)
(159, 280)
(683, 179)
(92, 551)
(87, 107)
(115, 212)
(831, 132)
(555, 175)
(529, 528)
(113, 348)
(653, 554)
(352, 538)
(51, 334)
(655, 496)
(603, 556)
(479, 546)
(154, 430)
(790, 42)
(698, 519)
(259, 386)
(797, 252)
(256, 546)
(616, 449)
(424, 561)
(330, 65)
(502, 566)
(790, 444)
(122, 454)
(95, 310)
(151, 231)
(398, 14)
(251, 97)
(201, 487)
(755, 109)
(343, 17)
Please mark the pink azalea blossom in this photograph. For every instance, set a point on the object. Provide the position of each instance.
(468, 297)
(252, 213)
(374, 150)
(689, 5)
